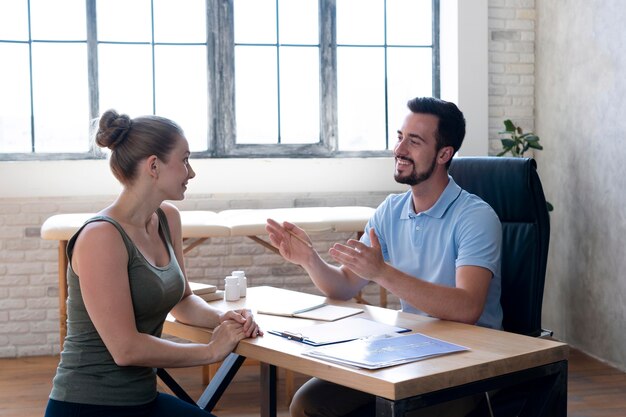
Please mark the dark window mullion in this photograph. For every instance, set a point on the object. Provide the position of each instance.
(436, 80)
(328, 75)
(385, 49)
(30, 77)
(278, 73)
(153, 58)
(222, 78)
(92, 60)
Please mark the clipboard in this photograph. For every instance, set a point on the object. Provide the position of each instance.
(384, 351)
(337, 331)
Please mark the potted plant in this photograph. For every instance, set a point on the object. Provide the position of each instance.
(517, 143)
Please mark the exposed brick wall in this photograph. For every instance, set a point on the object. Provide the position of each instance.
(511, 67)
(29, 307)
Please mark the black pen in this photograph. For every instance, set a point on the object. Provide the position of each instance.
(292, 336)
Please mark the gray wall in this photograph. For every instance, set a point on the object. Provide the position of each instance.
(580, 115)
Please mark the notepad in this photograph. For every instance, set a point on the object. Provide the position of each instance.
(313, 311)
(385, 351)
(207, 292)
(337, 331)
(212, 296)
(199, 288)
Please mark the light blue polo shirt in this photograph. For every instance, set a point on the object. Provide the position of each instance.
(459, 229)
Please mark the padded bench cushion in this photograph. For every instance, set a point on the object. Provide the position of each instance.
(240, 222)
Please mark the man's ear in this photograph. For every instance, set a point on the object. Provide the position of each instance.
(445, 154)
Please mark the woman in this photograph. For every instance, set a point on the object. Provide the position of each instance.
(125, 274)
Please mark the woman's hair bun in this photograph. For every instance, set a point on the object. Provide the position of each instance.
(113, 129)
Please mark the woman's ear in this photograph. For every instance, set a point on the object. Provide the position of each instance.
(152, 165)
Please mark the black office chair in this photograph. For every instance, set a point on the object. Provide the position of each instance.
(511, 186)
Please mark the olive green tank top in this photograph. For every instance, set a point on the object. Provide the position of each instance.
(87, 373)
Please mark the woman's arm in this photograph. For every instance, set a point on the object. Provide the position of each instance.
(192, 309)
(100, 259)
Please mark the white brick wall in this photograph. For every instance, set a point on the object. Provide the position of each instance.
(511, 66)
(28, 264)
(29, 271)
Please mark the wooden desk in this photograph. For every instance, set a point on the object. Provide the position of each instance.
(197, 226)
(496, 359)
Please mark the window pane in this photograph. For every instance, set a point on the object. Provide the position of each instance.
(361, 98)
(360, 22)
(299, 95)
(61, 102)
(125, 76)
(298, 22)
(15, 133)
(58, 19)
(124, 21)
(181, 90)
(409, 22)
(409, 74)
(255, 21)
(256, 106)
(14, 20)
(180, 21)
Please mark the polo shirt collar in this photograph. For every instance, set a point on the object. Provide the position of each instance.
(449, 195)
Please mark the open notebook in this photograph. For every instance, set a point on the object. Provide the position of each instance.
(336, 331)
(313, 311)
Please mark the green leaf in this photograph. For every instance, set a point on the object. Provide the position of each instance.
(509, 126)
(535, 145)
(508, 143)
(550, 206)
(532, 138)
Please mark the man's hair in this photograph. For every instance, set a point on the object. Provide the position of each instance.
(451, 127)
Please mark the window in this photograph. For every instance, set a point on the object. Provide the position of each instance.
(291, 78)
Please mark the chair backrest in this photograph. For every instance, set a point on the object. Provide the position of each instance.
(512, 187)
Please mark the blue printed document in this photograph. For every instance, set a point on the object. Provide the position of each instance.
(383, 351)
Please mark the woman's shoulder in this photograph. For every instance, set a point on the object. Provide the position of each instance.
(100, 229)
(169, 209)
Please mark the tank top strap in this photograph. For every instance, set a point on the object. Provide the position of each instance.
(130, 246)
(164, 225)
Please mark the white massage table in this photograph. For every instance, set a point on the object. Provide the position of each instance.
(197, 226)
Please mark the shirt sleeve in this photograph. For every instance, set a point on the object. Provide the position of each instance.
(479, 238)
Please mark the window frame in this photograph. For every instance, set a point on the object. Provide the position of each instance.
(221, 131)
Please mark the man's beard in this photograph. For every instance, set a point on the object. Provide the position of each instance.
(415, 178)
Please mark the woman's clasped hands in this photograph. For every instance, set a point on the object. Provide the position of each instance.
(235, 325)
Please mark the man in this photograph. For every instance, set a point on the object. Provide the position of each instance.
(435, 246)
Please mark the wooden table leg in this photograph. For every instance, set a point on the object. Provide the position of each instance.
(62, 292)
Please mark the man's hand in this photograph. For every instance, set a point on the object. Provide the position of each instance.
(294, 249)
(365, 261)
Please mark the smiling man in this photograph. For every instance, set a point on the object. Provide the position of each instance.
(436, 247)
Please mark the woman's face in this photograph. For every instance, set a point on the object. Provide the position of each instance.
(176, 172)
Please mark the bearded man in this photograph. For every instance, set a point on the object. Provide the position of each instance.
(436, 247)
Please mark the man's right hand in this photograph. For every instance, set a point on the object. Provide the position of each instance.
(292, 242)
